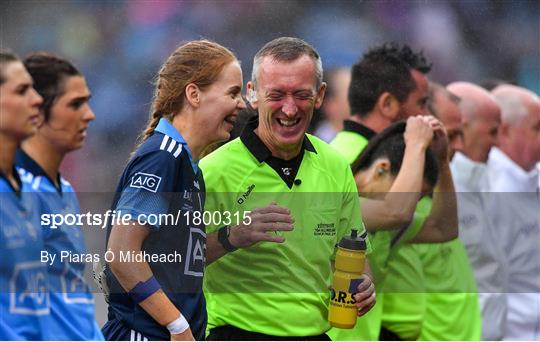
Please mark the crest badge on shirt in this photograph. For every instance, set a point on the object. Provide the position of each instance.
(286, 170)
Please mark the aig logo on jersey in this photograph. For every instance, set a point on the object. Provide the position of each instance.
(28, 290)
(196, 252)
(145, 181)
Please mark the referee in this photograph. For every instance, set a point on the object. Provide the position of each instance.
(259, 292)
(389, 83)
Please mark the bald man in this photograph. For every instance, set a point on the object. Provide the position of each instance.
(481, 120)
(444, 105)
(519, 140)
(514, 205)
(452, 309)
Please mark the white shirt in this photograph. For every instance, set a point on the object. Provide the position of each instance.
(538, 168)
(514, 207)
(482, 243)
(507, 176)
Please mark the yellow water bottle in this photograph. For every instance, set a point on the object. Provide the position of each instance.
(350, 259)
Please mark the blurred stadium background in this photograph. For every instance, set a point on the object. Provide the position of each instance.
(119, 46)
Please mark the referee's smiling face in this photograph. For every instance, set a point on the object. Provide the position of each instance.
(286, 97)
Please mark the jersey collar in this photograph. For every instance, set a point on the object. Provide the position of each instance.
(353, 126)
(17, 179)
(470, 173)
(510, 173)
(23, 160)
(165, 127)
(255, 145)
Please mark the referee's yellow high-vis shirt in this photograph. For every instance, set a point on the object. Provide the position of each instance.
(452, 306)
(350, 143)
(404, 290)
(270, 288)
(352, 140)
(395, 265)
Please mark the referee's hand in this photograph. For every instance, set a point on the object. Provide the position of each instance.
(265, 222)
(365, 297)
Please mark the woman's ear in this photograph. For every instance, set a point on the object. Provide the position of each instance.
(193, 95)
(381, 168)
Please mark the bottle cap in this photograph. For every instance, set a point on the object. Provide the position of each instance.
(353, 242)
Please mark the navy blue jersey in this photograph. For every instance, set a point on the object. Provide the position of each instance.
(161, 178)
(72, 303)
(24, 294)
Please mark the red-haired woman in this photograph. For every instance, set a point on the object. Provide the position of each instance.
(159, 296)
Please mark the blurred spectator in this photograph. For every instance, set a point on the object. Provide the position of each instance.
(335, 108)
(491, 83)
(111, 40)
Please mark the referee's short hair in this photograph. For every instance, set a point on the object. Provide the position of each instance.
(385, 68)
(287, 49)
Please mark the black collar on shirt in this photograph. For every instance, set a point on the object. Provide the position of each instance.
(353, 126)
(257, 147)
(23, 160)
(17, 180)
(286, 169)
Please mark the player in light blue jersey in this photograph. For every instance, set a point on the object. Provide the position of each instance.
(24, 296)
(65, 115)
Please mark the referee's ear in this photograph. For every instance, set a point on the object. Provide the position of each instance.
(193, 95)
(251, 94)
(319, 97)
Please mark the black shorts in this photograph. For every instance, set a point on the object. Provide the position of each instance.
(230, 333)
